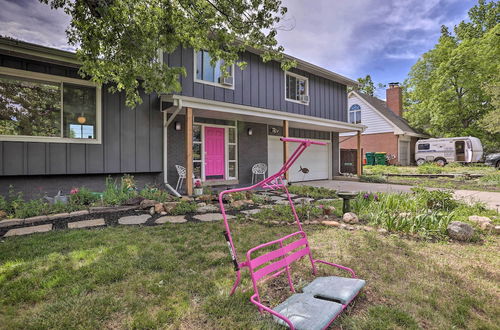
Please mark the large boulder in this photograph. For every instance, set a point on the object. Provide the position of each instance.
(147, 203)
(350, 217)
(460, 231)
(134, 201)
(484, 223)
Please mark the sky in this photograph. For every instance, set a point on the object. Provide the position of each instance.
(383, 38)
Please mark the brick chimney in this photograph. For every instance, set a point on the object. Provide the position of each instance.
(394, 98)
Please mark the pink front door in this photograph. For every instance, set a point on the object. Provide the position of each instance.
(214, 153)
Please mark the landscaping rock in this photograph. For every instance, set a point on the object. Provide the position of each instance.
(331, 223)
(382, 230)
(58, 216)
(3, 214)
(159, 208)
(350, 217)
(169, 206)
(86, 223)
(207, 208)
(39, 218)
(484, 223)
(303, 200)
(326, 200)
(283, 202)
(327, 210)
(204, 198)
(147, 203)
(291, 195)
(134, 201)
(367, 228)
(497, 230)
(201, 204)
(275, 198)
(251, 212)
(11, 222)
(187, 199)
(134, 219)
(460, 231)
(78, 213)
(171, 219)
(211, 217)
(29, 230)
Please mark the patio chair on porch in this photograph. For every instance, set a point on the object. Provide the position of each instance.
(181, 171)
(259, 169)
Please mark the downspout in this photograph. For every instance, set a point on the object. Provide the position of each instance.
(166, 122)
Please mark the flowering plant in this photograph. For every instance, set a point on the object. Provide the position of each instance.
(74, 191)
(197, 183)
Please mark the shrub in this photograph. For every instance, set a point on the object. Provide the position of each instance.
(429, 168)
(31, 208)
(156, 194)
(115, 194)
(373, 178)
(4, 205)
(435, 199)
(312, 192)
(82, 196)
(183, 207)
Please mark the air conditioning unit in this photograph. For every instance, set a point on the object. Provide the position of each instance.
(304, 98)
(228, 81)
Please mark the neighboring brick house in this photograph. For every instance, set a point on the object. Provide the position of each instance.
(217, 127)
(387, 131)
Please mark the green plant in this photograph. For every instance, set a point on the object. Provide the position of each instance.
(312, 192)
(31, 208)
(156, 194)
(490, 179)
(183, 207)
(373, 178)
(115, 194)
(435, 199)
(4, 205)
(82, 196)
(429, 168)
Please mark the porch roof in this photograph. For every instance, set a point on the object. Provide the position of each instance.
(230, 111)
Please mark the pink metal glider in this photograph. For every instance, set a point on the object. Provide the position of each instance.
(278, 261)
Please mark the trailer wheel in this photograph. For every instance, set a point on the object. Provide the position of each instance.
(420, 162)
(440, 161)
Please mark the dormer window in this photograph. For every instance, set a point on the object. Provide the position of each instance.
(296, 88)
(355, 114)
(207, 73)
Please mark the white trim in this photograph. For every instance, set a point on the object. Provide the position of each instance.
(397, 130)
(239, 109)
(299, 77)
(58, 79)
(205, 82)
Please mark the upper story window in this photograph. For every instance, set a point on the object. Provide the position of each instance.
(208, 74)
(296, 88)
(355, 114)
(45, 108)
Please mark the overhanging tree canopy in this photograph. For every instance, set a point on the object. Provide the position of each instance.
(119, 40)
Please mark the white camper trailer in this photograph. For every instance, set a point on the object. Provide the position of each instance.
(448, 150)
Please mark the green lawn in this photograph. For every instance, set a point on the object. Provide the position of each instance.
(179, 277)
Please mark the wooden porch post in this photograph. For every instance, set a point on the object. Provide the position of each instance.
(285, 146)
(359, 158)
(189, 151)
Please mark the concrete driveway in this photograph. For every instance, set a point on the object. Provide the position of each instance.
(491, 199)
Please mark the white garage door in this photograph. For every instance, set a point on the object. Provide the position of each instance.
(316, 158)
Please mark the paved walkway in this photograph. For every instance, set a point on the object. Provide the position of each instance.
(491, 199)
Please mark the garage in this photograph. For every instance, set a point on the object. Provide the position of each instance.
(317, 159)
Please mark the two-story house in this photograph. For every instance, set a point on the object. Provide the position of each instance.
(386, 129)
(59, 131)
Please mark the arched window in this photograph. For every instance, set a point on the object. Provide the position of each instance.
(355, 114)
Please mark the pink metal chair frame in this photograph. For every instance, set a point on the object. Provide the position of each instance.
(286, 254)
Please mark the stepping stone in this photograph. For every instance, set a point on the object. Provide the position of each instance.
(291, 195)
(283, 202)
(86, 223)
(171, 219)
(134, 219)
(276, 198)
(207, 208)
(211, 217)
(250, 212)
(29, 230)
(304, 200)
(267, 206)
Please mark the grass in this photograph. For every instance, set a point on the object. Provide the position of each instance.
(489, 182)
(179, 277)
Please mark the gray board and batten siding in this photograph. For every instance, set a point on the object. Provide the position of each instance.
(132, 139)
(263, 85)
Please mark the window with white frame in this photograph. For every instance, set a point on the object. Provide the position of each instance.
(232, 163)
(48, 108)
(355, 114)
(208, 73)
(197, 150)
(296, 88)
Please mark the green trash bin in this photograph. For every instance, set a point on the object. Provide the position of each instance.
(380, 158)
(370, 158)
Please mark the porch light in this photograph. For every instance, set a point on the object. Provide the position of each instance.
(177, 125)
(250, 131)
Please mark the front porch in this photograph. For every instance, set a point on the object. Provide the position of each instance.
(218, 143)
